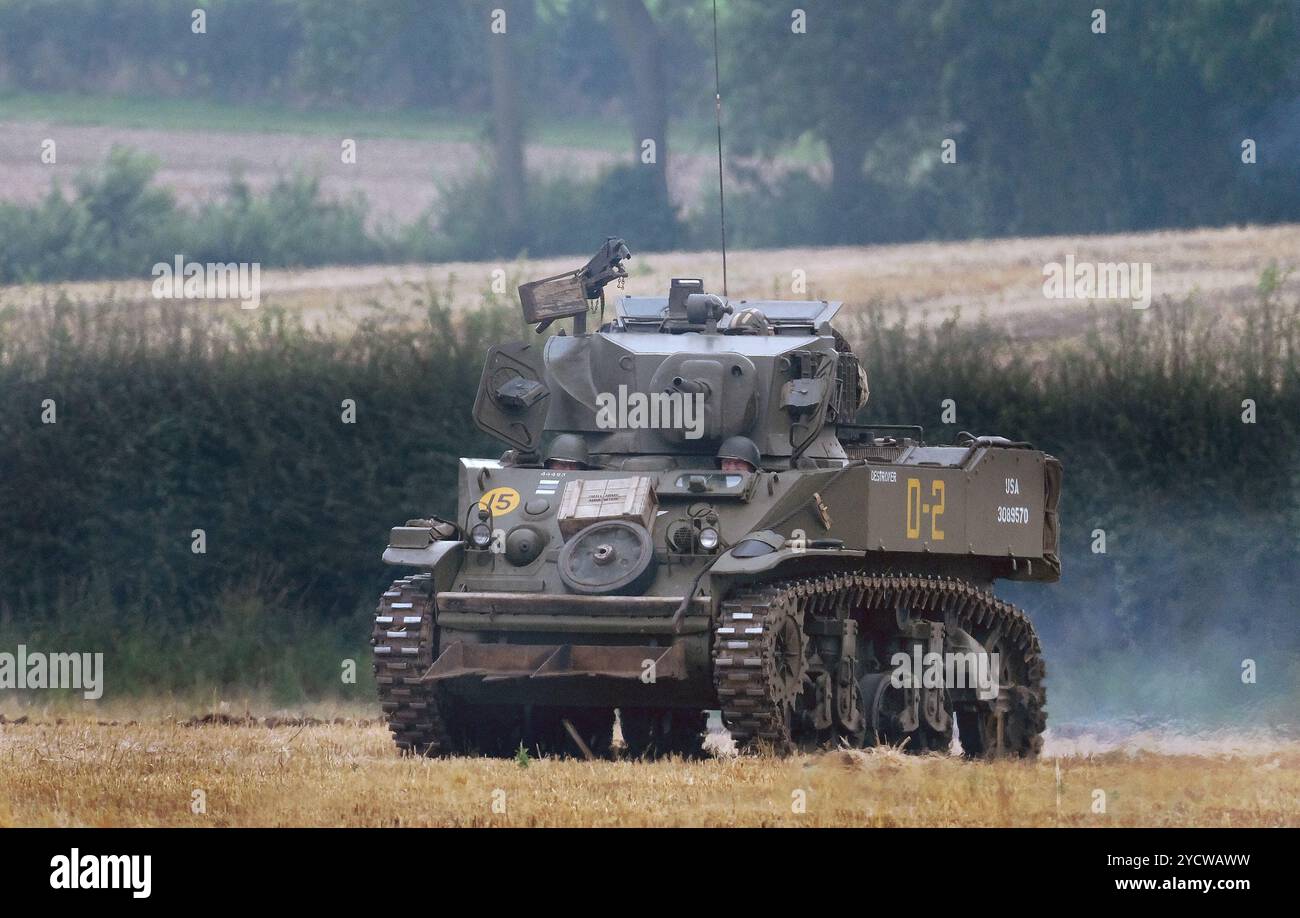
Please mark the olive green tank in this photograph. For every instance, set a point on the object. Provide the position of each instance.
(688, 519)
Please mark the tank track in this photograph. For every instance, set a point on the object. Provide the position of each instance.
(754, 693)
(403, 639)
(755, 697)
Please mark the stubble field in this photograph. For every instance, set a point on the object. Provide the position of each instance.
(1000, 280)
(345, 772)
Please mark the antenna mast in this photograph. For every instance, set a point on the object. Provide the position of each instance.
(717, 108)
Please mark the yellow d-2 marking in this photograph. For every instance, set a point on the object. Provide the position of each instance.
(916, 509)
(499, 501)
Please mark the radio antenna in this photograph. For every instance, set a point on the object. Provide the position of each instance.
(717, 109)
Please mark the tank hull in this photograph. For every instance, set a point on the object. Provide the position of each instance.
(508, 635)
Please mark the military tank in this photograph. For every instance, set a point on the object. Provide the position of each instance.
(689, 518)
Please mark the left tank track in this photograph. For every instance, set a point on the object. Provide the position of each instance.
(419, 714)
(761, 654)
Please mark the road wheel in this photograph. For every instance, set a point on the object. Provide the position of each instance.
(1012, 724)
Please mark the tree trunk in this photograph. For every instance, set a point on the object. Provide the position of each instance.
(847, 151)
(508, 62)
(638, 37)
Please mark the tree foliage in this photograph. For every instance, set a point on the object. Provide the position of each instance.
(1054, 124)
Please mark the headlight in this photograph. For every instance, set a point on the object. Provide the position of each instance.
(708, 539)
(752, 548)
(481, 535)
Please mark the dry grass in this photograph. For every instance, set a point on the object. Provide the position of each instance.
(999, 279)
(84, 773)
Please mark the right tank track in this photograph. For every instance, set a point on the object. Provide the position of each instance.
(760, 663)
(417, 712)
(426, 720)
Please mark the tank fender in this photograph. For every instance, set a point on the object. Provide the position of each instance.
(764, 551)
(442, 557)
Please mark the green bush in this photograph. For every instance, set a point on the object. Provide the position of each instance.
(171, 420)
(795, 208)
(564, 216)
(119, 224)
(291, 224)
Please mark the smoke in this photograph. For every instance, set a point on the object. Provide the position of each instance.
(1186, 623)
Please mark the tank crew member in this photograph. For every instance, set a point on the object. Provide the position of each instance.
(738, 454)
(568, 452)
(749, 321)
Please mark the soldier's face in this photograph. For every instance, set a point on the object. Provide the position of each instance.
(566, 465)
(736, 465)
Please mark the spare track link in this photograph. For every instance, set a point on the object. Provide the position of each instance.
(403, 640)
(753, 708)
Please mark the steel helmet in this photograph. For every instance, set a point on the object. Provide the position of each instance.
(741, 448)
(568, 448)
(749, 321)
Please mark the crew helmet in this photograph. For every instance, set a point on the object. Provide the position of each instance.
(568, 448)
(741, 448)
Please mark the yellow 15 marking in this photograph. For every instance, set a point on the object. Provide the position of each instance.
(499, 501)
(916, 509)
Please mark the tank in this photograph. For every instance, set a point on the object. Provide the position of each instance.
(688, 518)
